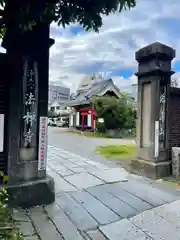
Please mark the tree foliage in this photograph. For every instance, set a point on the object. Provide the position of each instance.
(88, 13)
(116, 113)
(126, 96)
(8, 227)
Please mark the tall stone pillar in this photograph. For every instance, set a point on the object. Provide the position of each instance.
(28, 64)
(154, 75)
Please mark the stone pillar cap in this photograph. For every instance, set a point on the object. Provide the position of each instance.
(154, 49)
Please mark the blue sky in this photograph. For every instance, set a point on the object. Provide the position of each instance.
(77, 53)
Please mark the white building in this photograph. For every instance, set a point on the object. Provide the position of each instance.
(58, 95)
(58, 108)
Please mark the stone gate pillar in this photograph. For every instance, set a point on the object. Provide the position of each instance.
(154, 74)
(28, 75)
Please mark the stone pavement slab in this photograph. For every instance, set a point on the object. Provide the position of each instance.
(61, 184)
(54, 210)
(123, 230)
(83, 180)
(76, 213)
(143, 192)
(98, 210)
(78, 162)
(161, 223)
(31, 238)
(24, 222)
(79, 169)
(139, 188)
(27, 229)
(61, 170)
(97, 165)
(111, 175)
(20, 215)
(96, 235)
(156, 226)
(135, 202)
(67, 229)
(63, 223)
(118, 206)
(68, 164)
(170, 212)
(44, 226)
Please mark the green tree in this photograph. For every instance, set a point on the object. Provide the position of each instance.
(127, 97)
(131, 103)
(130, 118)
(88, 13)
(116, 113)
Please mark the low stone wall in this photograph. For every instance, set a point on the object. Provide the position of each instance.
(118, 133)
(176, 162)
(114, 132)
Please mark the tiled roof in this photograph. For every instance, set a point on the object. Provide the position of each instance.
(86, 96)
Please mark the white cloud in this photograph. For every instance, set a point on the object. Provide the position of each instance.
(113, 49)
(125, 84)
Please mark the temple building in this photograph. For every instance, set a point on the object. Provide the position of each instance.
(83, 115)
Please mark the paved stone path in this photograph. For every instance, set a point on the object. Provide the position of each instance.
(94, 201)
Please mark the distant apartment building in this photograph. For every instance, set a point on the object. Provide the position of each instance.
(58, 94)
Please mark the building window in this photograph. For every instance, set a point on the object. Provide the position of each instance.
(65, 98)
(57, 108)
(52, 109)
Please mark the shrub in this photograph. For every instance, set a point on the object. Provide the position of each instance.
(8, 228)
(116, 113)
(100, 127)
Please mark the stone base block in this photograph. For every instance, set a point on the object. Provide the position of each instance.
(151, 170)
(32, 193)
